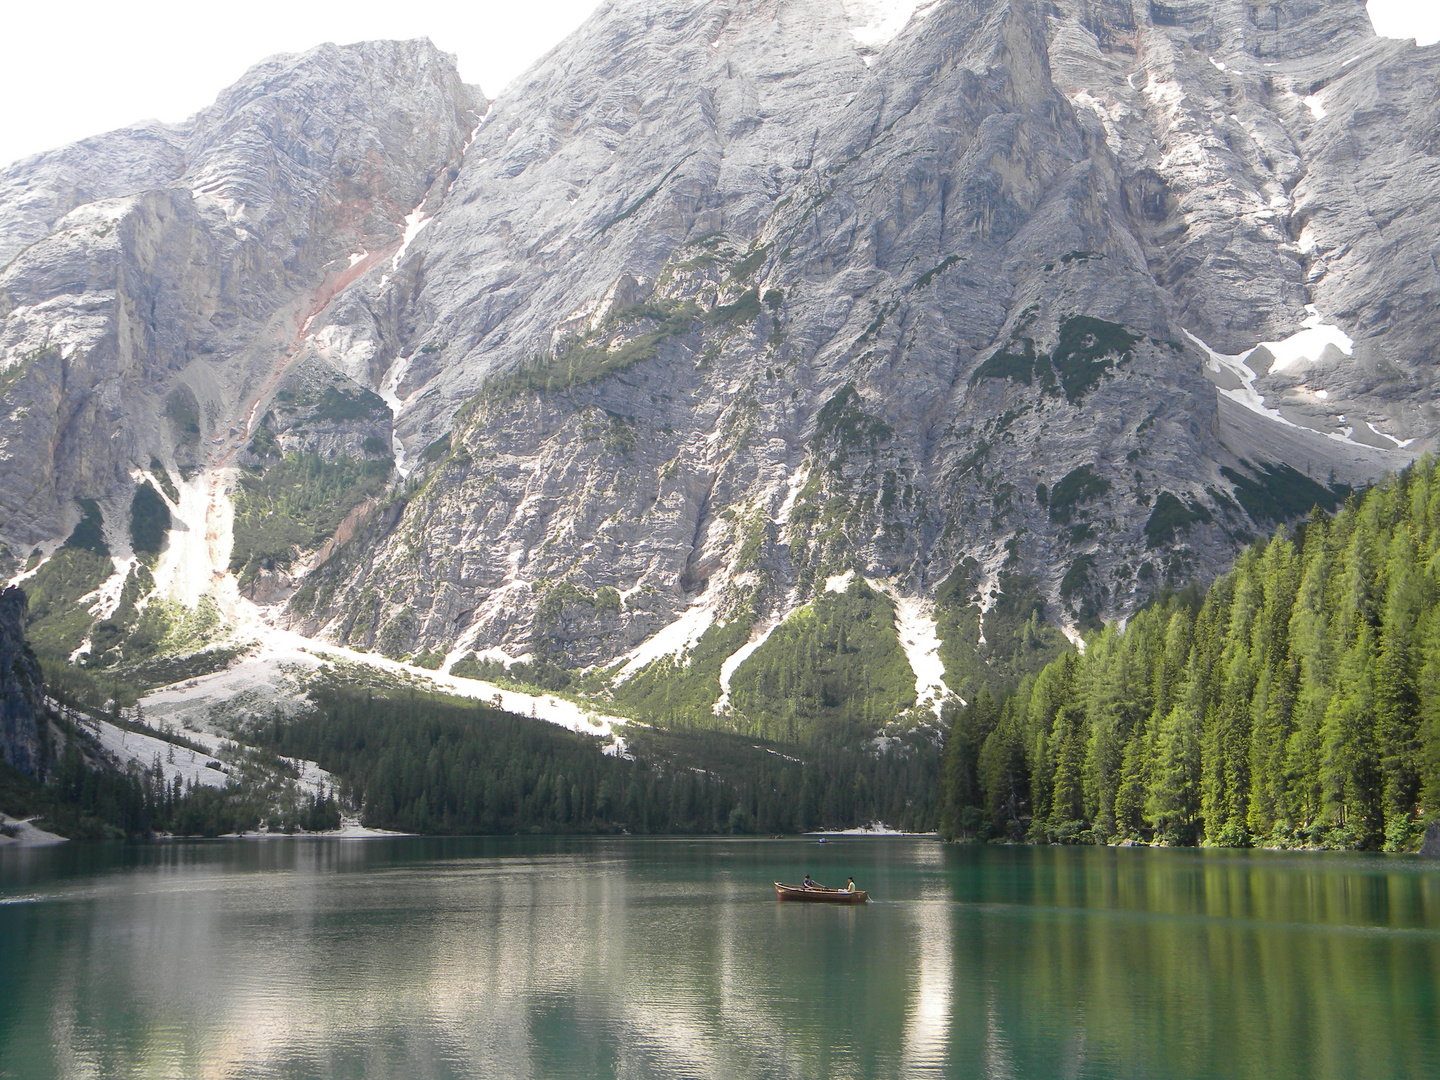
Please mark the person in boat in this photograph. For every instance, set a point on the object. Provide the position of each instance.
(810, 883)
(850, 884)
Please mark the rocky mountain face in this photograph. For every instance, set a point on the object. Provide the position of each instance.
(728, 326)
(22, 695)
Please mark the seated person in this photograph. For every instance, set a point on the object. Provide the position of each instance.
(850, 884)
(809, 883)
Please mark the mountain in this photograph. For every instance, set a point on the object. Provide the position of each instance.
(786, 368)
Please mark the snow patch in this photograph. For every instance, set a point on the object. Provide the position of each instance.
(284, 656)
(104, 600)
(480, 124)
(873, 23)
(1400, 444)
(793, 487)
(1084, 99)
(1245, 394)
(1163, 91)
(677, 638)
(1218, 64)
(390, 392)
(919, 637)
(1315, 105)
(196, 559)
(732, 663)
(1308, 343)
(414, 222)
(344, 349)
(27, 835)
(839, 583)
(495, 654)
(1305, 344)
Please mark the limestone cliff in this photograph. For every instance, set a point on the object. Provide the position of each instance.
(1007, 313)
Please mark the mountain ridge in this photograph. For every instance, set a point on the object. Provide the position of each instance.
(999, 309)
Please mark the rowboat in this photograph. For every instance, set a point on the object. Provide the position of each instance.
(833, 896)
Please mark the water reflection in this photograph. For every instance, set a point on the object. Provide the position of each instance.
(550, 958)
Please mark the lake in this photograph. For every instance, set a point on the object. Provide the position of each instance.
(546, 957)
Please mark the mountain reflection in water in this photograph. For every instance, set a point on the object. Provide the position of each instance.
(671, 958)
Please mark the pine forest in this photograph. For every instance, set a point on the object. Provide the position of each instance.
(1296, 703)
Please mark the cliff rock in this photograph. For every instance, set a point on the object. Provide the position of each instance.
(1016, 311)
(22, 693)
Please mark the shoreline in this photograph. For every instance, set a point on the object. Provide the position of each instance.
(27, 834)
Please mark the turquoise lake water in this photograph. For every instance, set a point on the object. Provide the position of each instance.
(554, 958)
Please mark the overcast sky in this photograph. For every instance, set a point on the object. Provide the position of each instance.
(79, 68)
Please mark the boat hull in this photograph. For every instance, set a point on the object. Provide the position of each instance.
(822, 896)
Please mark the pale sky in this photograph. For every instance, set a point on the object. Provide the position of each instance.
(82, 67)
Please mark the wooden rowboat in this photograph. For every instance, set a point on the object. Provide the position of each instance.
(833, 896)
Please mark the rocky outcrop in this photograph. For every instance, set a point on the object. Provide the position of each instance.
(22, 691)
(731, 300)
(1430, 848)
(160, 279)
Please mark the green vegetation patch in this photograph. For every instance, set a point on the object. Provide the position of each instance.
(563, 596)
(183, 412)
(339, 404)
(842, 423)
(634, 207)
(437, 764)
(746, 267)
(1171, 516)
(397, 635)
(57, 624)
(1018, 366)
(1277, 493)
(1075, 257)
(163, 478)
(1086, 349)
(834, 670)
(149, 522)
(1078, 486)
(602, 353)
(13, 374)
(263, 443)
(935, 271)
(89, 534)
(1019, 640)
(621, 434)
(744, 310)
(538, 676)
(1077, 578)
(298, 502)
(106, 634)
(680, 691)
(436, 450)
